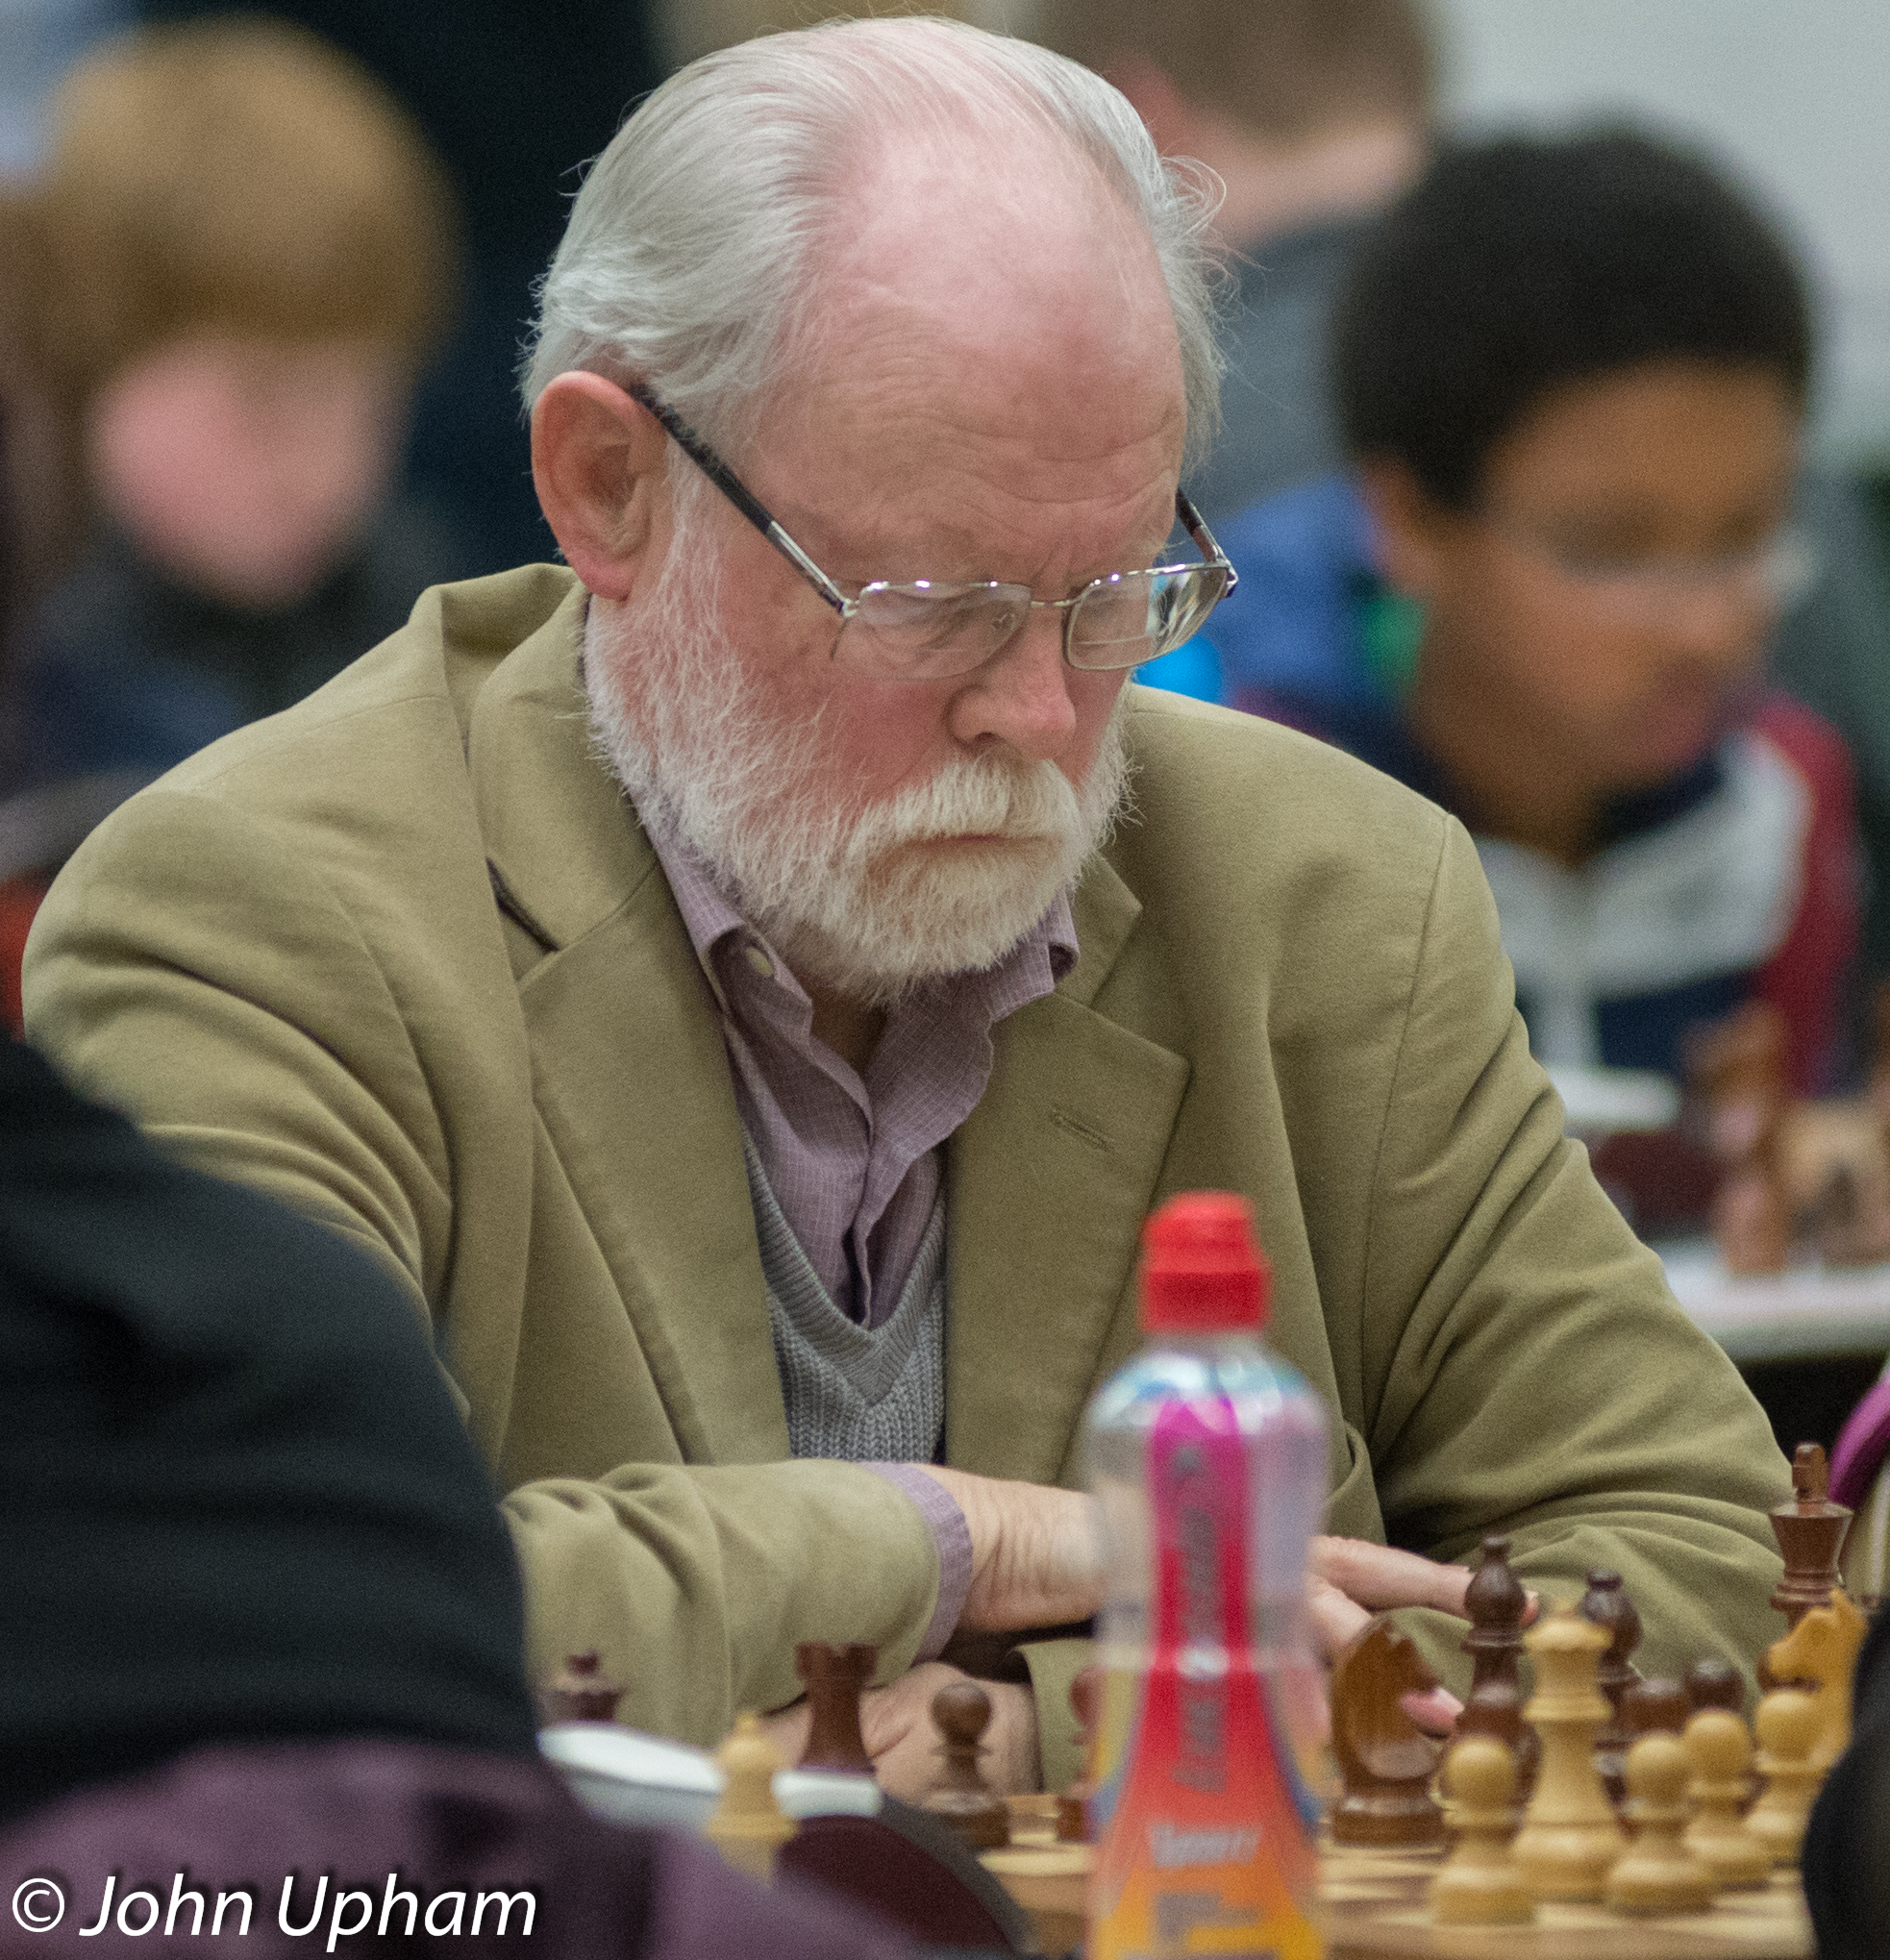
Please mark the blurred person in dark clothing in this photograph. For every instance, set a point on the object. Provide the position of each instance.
(39, 504)
(255, 250)
(515, 97)
(1316, 113)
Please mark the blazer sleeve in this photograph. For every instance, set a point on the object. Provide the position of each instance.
(1527, 1369)
(195, 970)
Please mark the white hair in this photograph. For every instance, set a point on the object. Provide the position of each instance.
(685, 261)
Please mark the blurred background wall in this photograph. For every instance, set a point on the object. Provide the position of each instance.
(1790, 95)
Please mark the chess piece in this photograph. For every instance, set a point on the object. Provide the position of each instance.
(1496, 1710)
(1569, 1837)
(1714, 1683)
(1787, 1729)
(1496, 1603)
(1479, 1885)
(1719, 1752)
(1658, 1873)
(961, 1712)
(835, 1678)
(580, 1692)
(748, 1827)
(1822, 1648)
(1073, 1807)
(1737, 1069)
(1654, 1705)
(1604, 1604)
(1810, 1531)
(1385, 1758)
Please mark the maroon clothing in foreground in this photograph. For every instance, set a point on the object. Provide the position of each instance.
(358, 1828)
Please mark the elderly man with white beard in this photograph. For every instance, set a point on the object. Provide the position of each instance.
(751, 984)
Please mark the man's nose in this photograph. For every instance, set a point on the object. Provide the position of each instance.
(1020, 696)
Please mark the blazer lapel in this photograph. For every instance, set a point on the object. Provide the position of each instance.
(1050, 1181)
(629, 1074)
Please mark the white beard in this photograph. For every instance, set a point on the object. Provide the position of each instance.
(840, 886)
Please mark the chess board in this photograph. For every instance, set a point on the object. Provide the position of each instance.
(1374, 1909)
(1374, 1905)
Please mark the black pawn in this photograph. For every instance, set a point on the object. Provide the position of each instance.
(1608, 1607)
(961, 1712)
(1715, 1683)
(1496, 1603)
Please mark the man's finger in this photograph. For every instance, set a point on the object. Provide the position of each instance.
(1380, 1577)
(1336, 1620)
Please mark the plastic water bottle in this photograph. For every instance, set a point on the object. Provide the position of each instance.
(1207, 1456)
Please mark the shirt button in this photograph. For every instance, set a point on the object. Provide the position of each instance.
(758, 961)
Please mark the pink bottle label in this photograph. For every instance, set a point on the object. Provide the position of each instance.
(1207, 1828)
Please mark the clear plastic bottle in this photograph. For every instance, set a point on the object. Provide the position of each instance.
(1207, 1456)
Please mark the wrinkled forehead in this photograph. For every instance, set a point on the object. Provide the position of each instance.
(999, 300)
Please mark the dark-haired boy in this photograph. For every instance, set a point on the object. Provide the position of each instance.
(1573, 373)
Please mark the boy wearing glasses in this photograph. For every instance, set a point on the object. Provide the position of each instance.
(1573, 373)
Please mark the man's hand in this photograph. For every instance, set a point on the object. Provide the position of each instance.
(896, 1723)
(1035, 1559)
(1350, 1580)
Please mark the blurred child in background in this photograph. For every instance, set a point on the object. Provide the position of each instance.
(255, 254)
(1573, 373)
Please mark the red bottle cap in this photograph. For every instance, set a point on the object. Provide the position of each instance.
(1201, 1269)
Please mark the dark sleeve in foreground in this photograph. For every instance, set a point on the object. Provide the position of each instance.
(239, 1502)
(1847, 1850)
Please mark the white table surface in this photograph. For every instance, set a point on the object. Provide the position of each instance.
(1802, 1314)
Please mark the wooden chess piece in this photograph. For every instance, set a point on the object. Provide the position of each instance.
(1714, 1683)
(1385, 1758)
(1569, 1837)
(1495, 1604)
(580, 1692)
(1787, 1729)
(1737, 1068)
(748, 1827)
(1604, 1604)
(1496, 1710)
(1658, 1873)
(961, 1712)
(1073, 1805)
(1822, 1648)
(1479, 1885)
(1719, 1752)
(1654, 1705)
(835, 1678)
(1810, 1531)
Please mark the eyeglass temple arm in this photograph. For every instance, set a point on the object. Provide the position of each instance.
(1196, 527)
(738, 492)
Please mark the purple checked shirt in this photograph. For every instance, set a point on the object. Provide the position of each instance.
(856, 1162)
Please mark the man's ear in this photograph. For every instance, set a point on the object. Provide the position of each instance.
(598, 459)
(1408, 527)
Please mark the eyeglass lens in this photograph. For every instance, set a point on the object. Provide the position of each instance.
(1118, 622)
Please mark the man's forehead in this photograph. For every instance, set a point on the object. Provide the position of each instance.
(1011, 337)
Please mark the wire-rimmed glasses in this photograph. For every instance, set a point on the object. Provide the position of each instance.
(935, 630)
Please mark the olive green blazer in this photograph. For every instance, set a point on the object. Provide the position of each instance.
(403, 957)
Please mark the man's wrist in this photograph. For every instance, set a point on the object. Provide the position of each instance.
(950, 1537)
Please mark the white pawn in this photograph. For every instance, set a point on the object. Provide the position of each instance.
(1478, 1884)
(1787, 1723)
(1657, 1873)
(748, 1827)
(1720, 1753)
